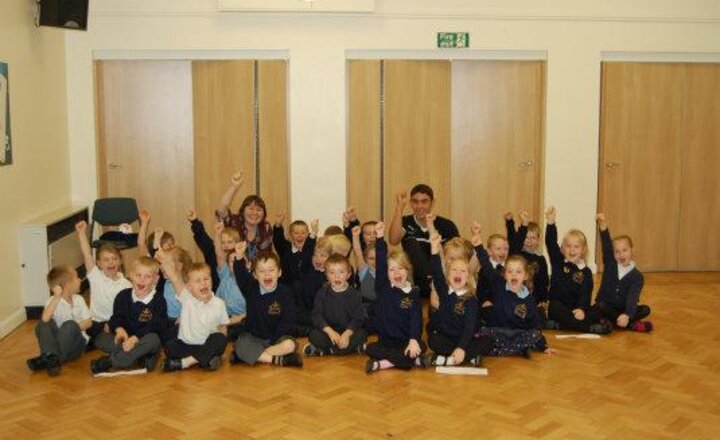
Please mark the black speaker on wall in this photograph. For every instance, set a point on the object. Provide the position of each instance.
(68, 14)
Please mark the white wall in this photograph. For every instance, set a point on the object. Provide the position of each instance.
(574, 34)
(38, 181)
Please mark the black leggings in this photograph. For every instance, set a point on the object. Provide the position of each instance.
(393, 350)
(444, 346)
(564, 316)
(214, 346)
(611, 313)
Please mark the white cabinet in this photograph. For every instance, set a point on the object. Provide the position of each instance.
(47, 241)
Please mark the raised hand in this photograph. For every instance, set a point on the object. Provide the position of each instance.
(218, 227)
(237, 179)
(81, 227)
(508, 216)
(550, 214)
(435, 243)
(524, 218)
(351, 214)
(314, 226)
(356, 231)
(601, 221)
(144, 216)
(476, 233)
(279, 218)
(401, 199)
(380, 229)
(240, 248)
(191, 215)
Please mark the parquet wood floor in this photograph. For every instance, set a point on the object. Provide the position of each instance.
(665, 384)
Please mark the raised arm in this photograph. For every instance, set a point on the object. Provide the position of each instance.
(242, 276)
(143, 233)
(236, 182)
(81, 228)
(438, 275)
(605, 240)
(382, 282)
(202, 239)
(551, 238)
(281, 243)
(357, 249)
(168, 266)
(220, 256)
(396, 229)
(510, 230)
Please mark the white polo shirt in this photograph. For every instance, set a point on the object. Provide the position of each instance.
(198, 320)
(77, 311)
(103, 291)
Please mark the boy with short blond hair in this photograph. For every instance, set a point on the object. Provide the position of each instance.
(61, 329)
(202, 336)
(139, 319)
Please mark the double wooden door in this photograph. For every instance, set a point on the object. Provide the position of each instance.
(660, 146)
(473, 130)
(171, 133)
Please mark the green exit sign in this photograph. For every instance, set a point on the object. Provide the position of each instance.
(453, 39)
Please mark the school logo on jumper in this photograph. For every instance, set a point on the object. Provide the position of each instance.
(460, 308)
(406, 303)
(521, 311)
(146, 315)
(274, 308)
(578, 277)
(566, 269)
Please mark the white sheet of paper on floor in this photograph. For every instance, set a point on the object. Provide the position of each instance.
(122, 373)
(468, 371)
(579, 336)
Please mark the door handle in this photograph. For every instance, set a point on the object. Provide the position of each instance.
(115, 166)
(526, 164)
(611, 165)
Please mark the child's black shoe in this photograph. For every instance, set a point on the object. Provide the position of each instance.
(213, 364)
(172, 365)
(101, 365)
(37, 363)
(53, 365)
(292, 360)
(150, 362)
(311, 350)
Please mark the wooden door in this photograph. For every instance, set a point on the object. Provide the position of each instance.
(699, 235)
(145, 138)
(416, 130)
(497, 141)
(363, 154)
(224, 142)
(641, 132)
(273, 161)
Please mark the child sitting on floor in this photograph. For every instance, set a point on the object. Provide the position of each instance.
(202, 336)
(514, 324)
(104, 273)
(65, 318)
(622, 283)
(271, 313)
(138, 322)
(338, 313)
(398, 318)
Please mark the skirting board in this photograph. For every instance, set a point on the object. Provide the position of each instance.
(12, 322)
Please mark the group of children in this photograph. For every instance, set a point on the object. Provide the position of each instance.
(336, 289)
